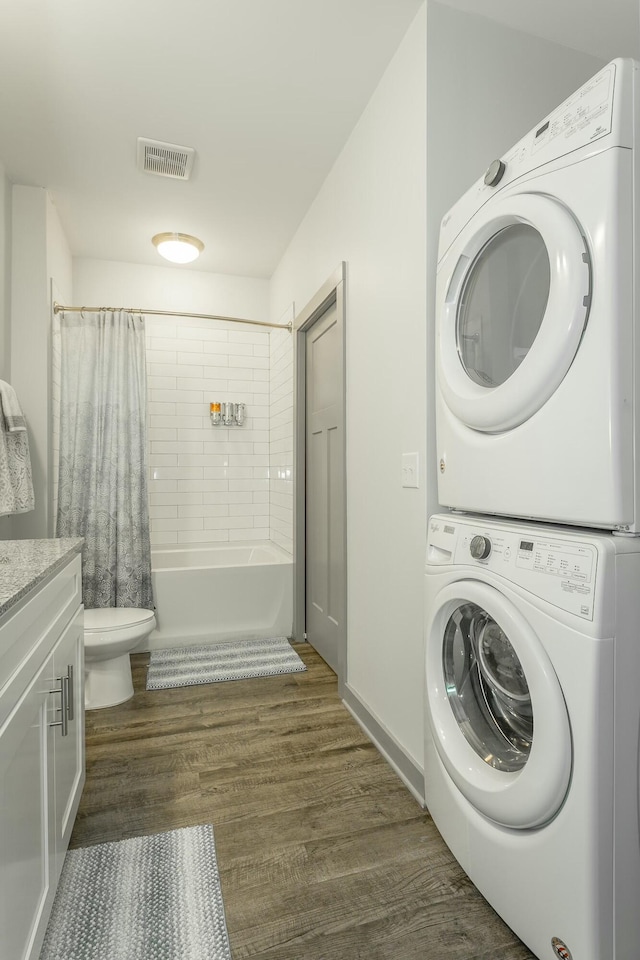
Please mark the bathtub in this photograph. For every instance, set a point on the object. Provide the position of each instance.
(212, 592)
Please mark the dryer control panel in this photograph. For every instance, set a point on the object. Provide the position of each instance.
(601, 108)
(555, 568)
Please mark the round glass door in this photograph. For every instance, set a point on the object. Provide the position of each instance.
(496, 712)
(487, 688)
(513, 299)
(502, 304)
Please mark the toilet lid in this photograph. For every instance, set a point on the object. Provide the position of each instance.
(113, 618)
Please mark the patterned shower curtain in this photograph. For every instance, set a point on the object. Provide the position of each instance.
(102, 493)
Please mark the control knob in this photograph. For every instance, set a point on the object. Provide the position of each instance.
(495, 173)
(480, 547)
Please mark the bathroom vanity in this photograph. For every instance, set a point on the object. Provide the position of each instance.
(41, 731)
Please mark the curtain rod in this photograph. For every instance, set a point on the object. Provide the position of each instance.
(58, 308)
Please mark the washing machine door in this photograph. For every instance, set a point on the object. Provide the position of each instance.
(513, 304)
(495, 707)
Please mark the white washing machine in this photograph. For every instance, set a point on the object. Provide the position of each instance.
(532, 648)
(537, 321)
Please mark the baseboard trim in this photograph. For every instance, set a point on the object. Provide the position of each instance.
(410, 774)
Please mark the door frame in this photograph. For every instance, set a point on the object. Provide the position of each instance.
(331, 292)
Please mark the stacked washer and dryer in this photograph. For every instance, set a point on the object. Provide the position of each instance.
(533, 578)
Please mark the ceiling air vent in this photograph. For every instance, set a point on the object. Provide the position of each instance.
(165, 159)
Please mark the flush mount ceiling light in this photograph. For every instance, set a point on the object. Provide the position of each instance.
(178, 247)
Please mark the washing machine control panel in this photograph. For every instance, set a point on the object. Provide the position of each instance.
(553, 567)
(480, 547)
(556, 559)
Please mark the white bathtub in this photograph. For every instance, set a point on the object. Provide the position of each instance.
(212, 592)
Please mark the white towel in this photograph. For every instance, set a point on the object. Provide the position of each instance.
(12, 412)
(16, 481)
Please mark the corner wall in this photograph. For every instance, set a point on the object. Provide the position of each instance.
(6, 523)
(371, 212)
(41, 261)
(459, 91)
(5, 275)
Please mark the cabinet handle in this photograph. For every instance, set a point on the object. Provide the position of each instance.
(68, 680)
(63, 709)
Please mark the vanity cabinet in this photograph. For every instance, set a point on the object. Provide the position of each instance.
(41, 752)
(66, 669)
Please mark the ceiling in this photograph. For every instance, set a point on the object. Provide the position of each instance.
(266, 91)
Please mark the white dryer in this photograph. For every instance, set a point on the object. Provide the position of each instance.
(532, 726)
(537, 321)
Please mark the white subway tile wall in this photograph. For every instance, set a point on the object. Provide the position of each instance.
(281, 439)
(212, 483)
(217, 483)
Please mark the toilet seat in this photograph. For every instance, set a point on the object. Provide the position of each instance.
(104, 619)
(108, 624)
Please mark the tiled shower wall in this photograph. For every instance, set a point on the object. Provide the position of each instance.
(207, 483)
(281, 439)
(213, 483)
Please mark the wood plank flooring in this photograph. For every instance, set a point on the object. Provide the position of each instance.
(323, 852)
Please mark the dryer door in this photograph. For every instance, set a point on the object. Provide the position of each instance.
(513, 306)
(495, 707)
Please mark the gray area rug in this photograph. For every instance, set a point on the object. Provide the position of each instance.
(149, 898)
(214, 662)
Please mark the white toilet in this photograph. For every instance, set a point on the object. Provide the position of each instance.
(110, 634)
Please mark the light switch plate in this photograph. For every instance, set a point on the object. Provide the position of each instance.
(410, 470)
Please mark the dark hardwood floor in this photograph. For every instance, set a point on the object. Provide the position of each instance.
(323, 852)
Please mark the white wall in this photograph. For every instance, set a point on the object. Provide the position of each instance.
(59, 261)
(6, 523)
(40, 259)
(115, 284)
(5, 274)
(486, 87)
(59, 265)
(371, 212)
(29, 367)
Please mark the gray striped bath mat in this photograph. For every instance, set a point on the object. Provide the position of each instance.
(214, 662)
(149, 898)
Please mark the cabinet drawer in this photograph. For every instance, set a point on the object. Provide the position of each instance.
(29, 633)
